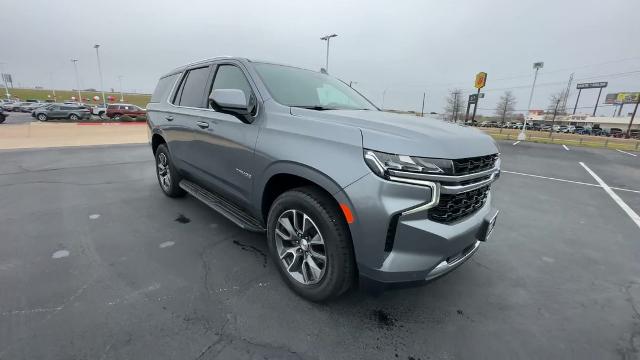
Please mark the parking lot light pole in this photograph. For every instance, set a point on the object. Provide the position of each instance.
(75, 69)
(121, 91)
(97, 46)
(327, 38)
(537, 65)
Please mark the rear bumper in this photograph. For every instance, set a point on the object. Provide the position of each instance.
(415, 249)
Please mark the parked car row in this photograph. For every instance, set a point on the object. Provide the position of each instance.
(566, 129)
(71, 110)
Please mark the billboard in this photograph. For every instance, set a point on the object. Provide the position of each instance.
(622, 98)
(481, 80)
(592, 85)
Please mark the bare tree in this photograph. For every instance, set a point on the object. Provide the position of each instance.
(555, 100)
(455, 105)
(506, 105)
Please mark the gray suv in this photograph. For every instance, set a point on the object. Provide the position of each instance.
(61, 111)
(346, 193)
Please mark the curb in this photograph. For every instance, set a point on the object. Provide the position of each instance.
(113, 123)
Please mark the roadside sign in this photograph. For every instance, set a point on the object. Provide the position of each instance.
(481, 95)
(538, 65)
(622, 98)
(473, 98)
(481, 80)
(592, 85)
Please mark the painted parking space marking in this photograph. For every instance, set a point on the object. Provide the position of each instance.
(166, 244)
(60, 254)
(565, 147)
(632, 214)
(628, 153)
(516, 143)
(565, 180)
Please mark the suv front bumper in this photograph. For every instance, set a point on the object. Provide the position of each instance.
(396, 246)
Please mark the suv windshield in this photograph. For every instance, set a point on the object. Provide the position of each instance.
(305, 88)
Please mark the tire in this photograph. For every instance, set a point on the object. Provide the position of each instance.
(42, 117)
(168, 181)
(101, 114)
(2, 118)
(73, 117)
(338, 270)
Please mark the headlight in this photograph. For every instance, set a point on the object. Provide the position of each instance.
(380, 163)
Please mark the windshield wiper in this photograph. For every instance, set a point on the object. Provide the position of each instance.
(315, 107)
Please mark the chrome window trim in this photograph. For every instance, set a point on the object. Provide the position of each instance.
(182, 73)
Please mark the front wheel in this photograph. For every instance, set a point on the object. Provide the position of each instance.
(168, 176)
(73, 117)
(42, 117)
(310, 242)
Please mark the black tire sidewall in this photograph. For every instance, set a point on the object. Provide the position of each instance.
(44, 117)
(335, 234)
(174, 190)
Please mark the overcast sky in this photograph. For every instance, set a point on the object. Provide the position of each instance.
(406, 47)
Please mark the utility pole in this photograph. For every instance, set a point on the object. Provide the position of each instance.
(633, 115)
(97, 46)
(327, 38)
(424, 95)
(566, 94)
(75, 69)
(455, 106)
(537, 66)
(475, 107)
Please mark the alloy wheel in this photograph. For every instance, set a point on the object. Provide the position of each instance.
(300, 247)
(164, 175)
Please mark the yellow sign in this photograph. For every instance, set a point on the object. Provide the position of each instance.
(481, 80)
(621, 97)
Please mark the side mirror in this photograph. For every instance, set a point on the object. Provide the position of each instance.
(230, 100)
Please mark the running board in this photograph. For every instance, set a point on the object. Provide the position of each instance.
(222, 206)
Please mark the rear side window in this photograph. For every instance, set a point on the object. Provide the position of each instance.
(112, 107)
(161, 93)
(191, 91)
(231, 77)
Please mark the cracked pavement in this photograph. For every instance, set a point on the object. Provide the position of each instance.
(558, 279)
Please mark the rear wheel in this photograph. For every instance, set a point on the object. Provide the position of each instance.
(168, 176)
(42, 117)
(116, 116)
(310, 242)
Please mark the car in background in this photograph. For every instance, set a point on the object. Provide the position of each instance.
(30, 107)
(118, 110)
(61, 111)
(634, 133)
(536, 126)
(99, 110)
(545, 128)
(616, 132)
(569, 129)
(15, 106)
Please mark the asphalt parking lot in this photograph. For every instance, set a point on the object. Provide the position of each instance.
(96, 263)
(18, 118)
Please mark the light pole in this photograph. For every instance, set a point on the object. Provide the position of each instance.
(327, 38)
(537, 66)
(6, 87)
(121, 91)
(53, 88)
(97, 46)
(75, 69)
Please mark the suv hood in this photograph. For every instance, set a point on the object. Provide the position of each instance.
(409, 135)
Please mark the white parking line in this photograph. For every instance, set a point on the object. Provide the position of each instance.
(565, 180)
(516, 143)
(632, 214)
(628, 153)
(565, 147)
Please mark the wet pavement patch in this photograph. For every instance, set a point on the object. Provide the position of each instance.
(182, 219)
(254, 250)
(383, 318)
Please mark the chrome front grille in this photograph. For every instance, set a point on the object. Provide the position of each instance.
(453, 207)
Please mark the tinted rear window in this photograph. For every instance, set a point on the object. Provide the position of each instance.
(192, 88)
(163, 88)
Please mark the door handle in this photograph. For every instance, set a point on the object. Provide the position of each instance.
(202, 124)
(169, 118)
